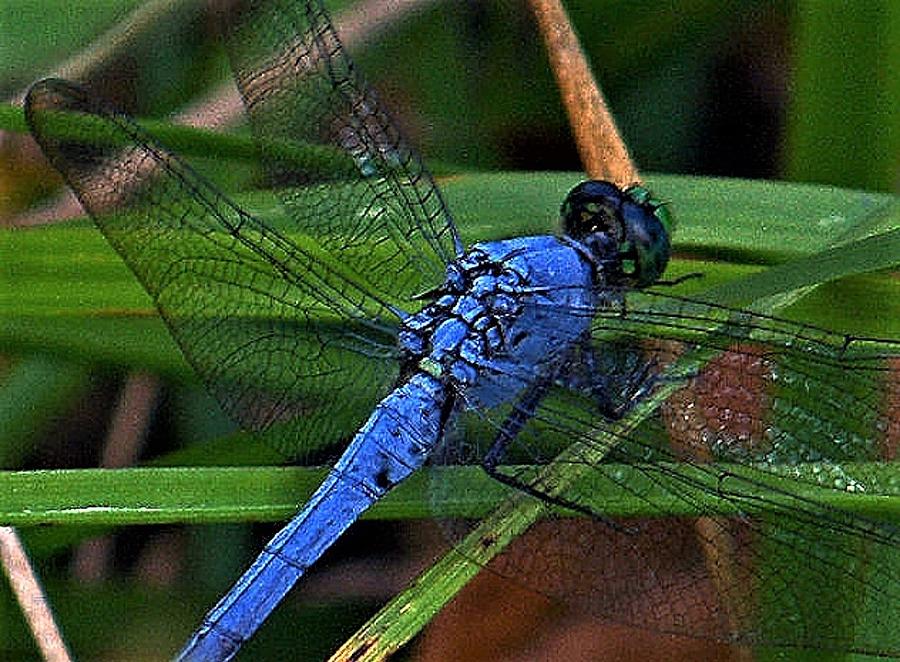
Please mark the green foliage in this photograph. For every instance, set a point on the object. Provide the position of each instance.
(35, 387)
(846, 86)
(31, 31)
(74, 297)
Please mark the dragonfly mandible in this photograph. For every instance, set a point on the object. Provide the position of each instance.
(541, 341)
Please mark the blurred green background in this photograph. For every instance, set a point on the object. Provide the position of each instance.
(734, 88)
(800, 91)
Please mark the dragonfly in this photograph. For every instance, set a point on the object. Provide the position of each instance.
(513, 356)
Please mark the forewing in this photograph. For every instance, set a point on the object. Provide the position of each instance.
(688, 530)
(281, 333)
(317, 122)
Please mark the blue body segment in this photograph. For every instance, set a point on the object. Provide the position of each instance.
(509, 309)
(384, 452)
(514, 288)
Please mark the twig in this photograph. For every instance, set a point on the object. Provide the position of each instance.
(124, 439)
(358, 26)
(31, 598)
(605, 156)
(602, 150)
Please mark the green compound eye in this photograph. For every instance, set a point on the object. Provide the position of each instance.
(638, 223)
(642, 196)
(638, 194)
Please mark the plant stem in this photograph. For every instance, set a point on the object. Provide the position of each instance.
(31, 598)
(600, 145)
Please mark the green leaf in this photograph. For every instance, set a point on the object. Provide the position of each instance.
(206, 495)
(184, 140)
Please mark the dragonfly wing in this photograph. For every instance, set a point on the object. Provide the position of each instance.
(341, 167)
(282, 334)
(690, 531)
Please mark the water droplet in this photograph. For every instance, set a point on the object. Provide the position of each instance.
(832, 220)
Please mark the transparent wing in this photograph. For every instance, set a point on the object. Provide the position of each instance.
(716, 511)
(282, 333)
(317, 122)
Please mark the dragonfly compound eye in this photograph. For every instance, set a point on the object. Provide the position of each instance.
(648, 225)
(591, 207)
(626, 226)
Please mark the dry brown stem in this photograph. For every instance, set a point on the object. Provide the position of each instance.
(31, 598)
(600, 145)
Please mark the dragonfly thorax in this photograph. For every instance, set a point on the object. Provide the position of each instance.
(468, 317)
(503, 306)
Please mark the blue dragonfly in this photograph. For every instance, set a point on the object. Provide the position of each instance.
(365, 299)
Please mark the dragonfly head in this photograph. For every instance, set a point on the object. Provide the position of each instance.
(627, 228)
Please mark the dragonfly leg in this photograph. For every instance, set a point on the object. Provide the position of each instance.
(616, 391)
(521, 413)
